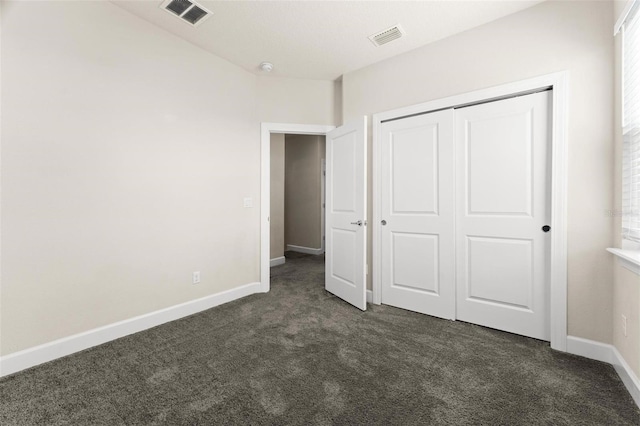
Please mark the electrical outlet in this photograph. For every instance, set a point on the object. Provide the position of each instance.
(248, 203)
(196, 277)
(624, 325)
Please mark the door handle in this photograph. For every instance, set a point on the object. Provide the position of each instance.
(383, 222)
(546, 228)
(359, 223)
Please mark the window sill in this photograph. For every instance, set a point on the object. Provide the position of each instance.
(629, 259)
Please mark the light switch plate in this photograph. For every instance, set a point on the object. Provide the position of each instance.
(248, 202)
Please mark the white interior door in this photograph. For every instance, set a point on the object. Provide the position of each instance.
(417, 212)
(346, 202)
(502, 184)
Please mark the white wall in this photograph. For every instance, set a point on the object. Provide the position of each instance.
(1, 95)
(276, 215)
(550, 37)
(297, 101)
(302, 181)
(337, 102)
(126, 154)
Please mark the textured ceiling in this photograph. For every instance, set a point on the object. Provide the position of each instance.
(321, 40)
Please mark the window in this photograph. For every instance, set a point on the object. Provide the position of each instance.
(631, 124)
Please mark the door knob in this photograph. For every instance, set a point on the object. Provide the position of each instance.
(546, 228)
(359, 223)
(383, 222)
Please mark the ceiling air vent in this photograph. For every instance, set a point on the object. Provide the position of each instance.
(187, 10)
(387, 36)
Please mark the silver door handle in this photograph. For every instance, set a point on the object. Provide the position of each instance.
(359, 223)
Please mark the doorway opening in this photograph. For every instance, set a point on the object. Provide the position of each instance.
(267, 130)
(297, 202)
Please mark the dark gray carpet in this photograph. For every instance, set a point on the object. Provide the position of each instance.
(301, 356)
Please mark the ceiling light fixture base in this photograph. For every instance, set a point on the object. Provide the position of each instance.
(266, 66)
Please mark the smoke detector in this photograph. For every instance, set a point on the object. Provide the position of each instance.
(186, 10)
(266, 66)
(387, 36)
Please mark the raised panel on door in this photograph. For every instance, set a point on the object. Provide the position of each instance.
(344, 248)
(414, 165)
(500, 271)
(346, 236)
(343, 180)
(417, 240)
(499, 164)
(502, 185)
(414, 262)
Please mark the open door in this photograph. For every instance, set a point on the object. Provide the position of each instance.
(346, 232)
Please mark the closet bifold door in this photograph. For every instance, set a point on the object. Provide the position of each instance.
(417, 212)
(502, 189)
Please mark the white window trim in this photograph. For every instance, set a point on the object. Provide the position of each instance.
(629, 259)
(623, 17)
(629, 253)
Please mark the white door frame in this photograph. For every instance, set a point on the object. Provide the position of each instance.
(323, 196)
(265, 185)
(558, 82)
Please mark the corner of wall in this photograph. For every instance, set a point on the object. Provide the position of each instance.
(337, 102)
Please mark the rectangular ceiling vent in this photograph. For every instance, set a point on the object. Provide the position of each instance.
(387, 36)
(187, 10)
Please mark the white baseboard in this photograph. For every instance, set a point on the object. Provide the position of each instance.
(627, 375)
(369, 296)
(276, 261)
(609, 354)
(306, 250)
(31, 357)
(589, 349)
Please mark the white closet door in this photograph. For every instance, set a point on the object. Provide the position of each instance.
(417, 239)
(502, 182)
(346, 249)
